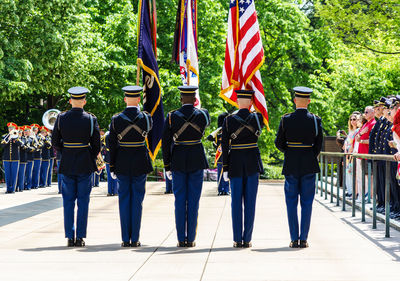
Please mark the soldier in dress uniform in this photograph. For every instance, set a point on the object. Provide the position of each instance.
(379, 143)
(242, 165)
(59, 175)
(216, 137)
(22, 160)
(51, 162)
(300, 137)
(185, 161)
(46, 147)
(76, 135)
(29, 157)
(11, 147)
(112, 184)
(37, 156)
(130, 163)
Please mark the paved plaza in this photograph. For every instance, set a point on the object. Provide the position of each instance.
(33, 247)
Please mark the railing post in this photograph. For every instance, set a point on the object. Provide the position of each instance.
(344, 182)
(326, 178)
(353, 207)
(387, 200)
(374, 188)
(369, 181)
(363, 190)
(331, 179)
(338, 164)
(322, 175)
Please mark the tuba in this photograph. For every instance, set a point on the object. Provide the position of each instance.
(49, 118)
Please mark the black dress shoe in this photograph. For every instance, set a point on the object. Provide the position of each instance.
(125, 244)
(109, 194)
(219, 193)
(71, 243)
(237, 244)
(191, 244)
(181, 244)
(294, 244)
(247, 245)
(79, 242)
(136, 244)
(303, 244)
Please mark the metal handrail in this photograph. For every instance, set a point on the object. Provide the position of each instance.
(341, 161)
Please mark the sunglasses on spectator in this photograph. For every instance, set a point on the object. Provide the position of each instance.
(353, 119)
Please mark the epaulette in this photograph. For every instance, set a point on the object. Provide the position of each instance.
(116, 114)
(145, 112)
(91, 114)
(286, 114)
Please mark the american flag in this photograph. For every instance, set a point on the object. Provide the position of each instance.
(244, 55)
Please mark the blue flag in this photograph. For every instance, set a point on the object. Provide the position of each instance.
(152, 100)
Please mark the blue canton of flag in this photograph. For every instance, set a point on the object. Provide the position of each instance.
(152, 100)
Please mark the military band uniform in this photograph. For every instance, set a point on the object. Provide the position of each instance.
(381, 169)
(44, 168)
(223, 186)
(11, 156)
(300, 138)
(183, 155)
(76, 134)
(37, 159)
(29, 163)
(130, 161)
(112, 184)
(242, 161)
(22, 164)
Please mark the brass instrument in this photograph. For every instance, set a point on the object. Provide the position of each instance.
(49, 118)
(100, 164)
(11, 135)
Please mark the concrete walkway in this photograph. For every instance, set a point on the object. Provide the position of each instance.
(32, 243)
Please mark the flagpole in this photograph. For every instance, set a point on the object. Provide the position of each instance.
(188, 71)
(138, 73)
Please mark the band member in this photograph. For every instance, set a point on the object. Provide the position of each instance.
(29, 157)
(11, 146)
(51, 162)
(37, 156)
(130, 163)
(22, 160)
(46, 147)
(300, 137)
(215, 137)
(184, 162)
(76, 135)
(242, 165)
(112, 184)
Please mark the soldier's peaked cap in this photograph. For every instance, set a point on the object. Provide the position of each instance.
(78, 93)
(132, 91)
(302, 92)
(187, 90)
(244, 94)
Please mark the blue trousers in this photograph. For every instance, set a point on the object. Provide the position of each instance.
(223, 186)
(131, 192)
(111, 183)
(11, 174)
(168, 183)
(96, 179)
(50, 174)
(76, 188)
(44, 172)
(187, 190)
(28, 175)
(59, 177)
(21, 176)
(36, 173)
(303, 187)
(244, 195)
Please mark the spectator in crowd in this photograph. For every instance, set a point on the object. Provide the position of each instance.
(348, 148)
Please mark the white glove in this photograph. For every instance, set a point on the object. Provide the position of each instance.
(113, 175)
(169, 175)
(225, 175)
